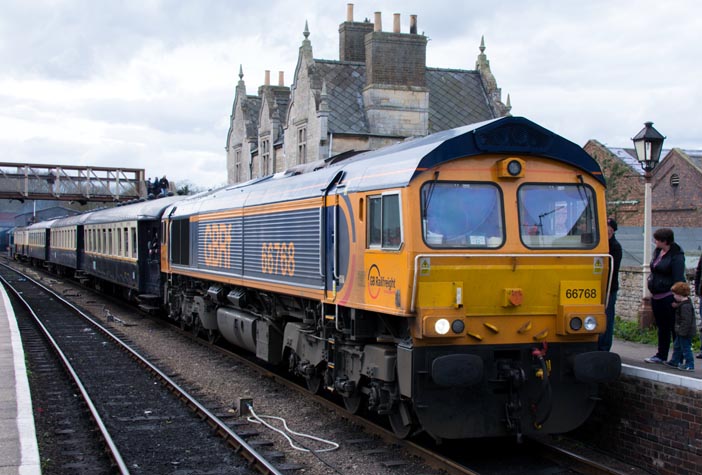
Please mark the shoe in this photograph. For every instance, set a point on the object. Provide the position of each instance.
(681, 367)
(671, 363)
(654, 359)
(699, 356)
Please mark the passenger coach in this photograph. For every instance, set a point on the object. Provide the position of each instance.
(121, 246)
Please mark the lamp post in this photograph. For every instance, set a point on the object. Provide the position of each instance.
(648, 144)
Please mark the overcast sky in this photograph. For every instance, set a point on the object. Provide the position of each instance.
(150, 84)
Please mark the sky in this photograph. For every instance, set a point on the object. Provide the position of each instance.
(150, 83)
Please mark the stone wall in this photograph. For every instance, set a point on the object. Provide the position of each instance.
(631, 291)
(650, 424)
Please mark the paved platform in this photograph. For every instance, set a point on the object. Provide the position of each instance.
(19, 453)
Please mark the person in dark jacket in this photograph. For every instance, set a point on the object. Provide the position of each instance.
(684, 328)
(163, 184)
(698, 292)
(667, 268)
(615, 250)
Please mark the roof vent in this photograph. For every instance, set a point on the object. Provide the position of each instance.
(674, 180)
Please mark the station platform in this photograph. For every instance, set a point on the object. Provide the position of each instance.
(19, 453)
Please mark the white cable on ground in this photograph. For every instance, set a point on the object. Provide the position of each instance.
(256, 419)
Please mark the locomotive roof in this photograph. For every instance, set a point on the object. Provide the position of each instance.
(395, 166)
(143, 210)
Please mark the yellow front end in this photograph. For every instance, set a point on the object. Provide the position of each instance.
(509, 298)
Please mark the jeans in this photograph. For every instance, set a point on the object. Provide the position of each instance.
(664, 314)
(682, 351)
(604, 343)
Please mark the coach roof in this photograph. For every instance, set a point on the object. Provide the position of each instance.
(140, 211)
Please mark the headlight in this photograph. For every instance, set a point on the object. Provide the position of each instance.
(442, 326)
(590, 323)
(514, 168)
(576, 323)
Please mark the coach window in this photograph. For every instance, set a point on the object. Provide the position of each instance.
(134, 242)
(384, 221)
(126, 242)
(558, 216)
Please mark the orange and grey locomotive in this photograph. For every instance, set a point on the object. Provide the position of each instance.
(455, 283)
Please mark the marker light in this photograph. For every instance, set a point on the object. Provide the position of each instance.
(458, 326)
(590, 323)
(442, 326)
(576, 323)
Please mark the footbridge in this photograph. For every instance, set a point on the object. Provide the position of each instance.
(70, 183)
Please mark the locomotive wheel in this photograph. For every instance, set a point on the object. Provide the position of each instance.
(399, 427)
(353, 403)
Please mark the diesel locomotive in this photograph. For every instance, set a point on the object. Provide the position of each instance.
(455, 283)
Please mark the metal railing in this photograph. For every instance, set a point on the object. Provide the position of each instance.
(70, 183)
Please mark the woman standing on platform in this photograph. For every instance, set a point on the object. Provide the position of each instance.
(667, 268)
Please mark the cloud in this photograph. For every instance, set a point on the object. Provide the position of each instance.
(150, 83)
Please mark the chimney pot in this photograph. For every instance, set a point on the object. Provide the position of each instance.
(378, 23)
(396, 23)
(267, 81)
(281, 78)
(349, 12)
(413, 24)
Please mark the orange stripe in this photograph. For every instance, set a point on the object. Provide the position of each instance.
(316, 294)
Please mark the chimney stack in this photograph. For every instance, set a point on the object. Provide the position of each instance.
(396, 23)
(352, 37)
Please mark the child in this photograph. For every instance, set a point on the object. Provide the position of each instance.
(684, 328)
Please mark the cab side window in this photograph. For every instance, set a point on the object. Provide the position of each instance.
(384, 222)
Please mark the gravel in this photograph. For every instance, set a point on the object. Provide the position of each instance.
(221, 382)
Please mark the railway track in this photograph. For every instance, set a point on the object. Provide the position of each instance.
(450, 458)
(148, 423)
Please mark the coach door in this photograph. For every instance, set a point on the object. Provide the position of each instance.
(149, 257)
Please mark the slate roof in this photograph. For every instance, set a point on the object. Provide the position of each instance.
(251, 108)
(628, 156)
(345, 82)
(456, 98)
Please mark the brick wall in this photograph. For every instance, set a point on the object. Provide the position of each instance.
(351, 40)
(650, 424)
(396, 59)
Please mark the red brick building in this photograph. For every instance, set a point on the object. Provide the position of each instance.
(676, 186)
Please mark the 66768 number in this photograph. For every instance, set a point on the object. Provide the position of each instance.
(581, 293)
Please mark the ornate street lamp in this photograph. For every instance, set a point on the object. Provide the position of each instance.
(648, 144)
